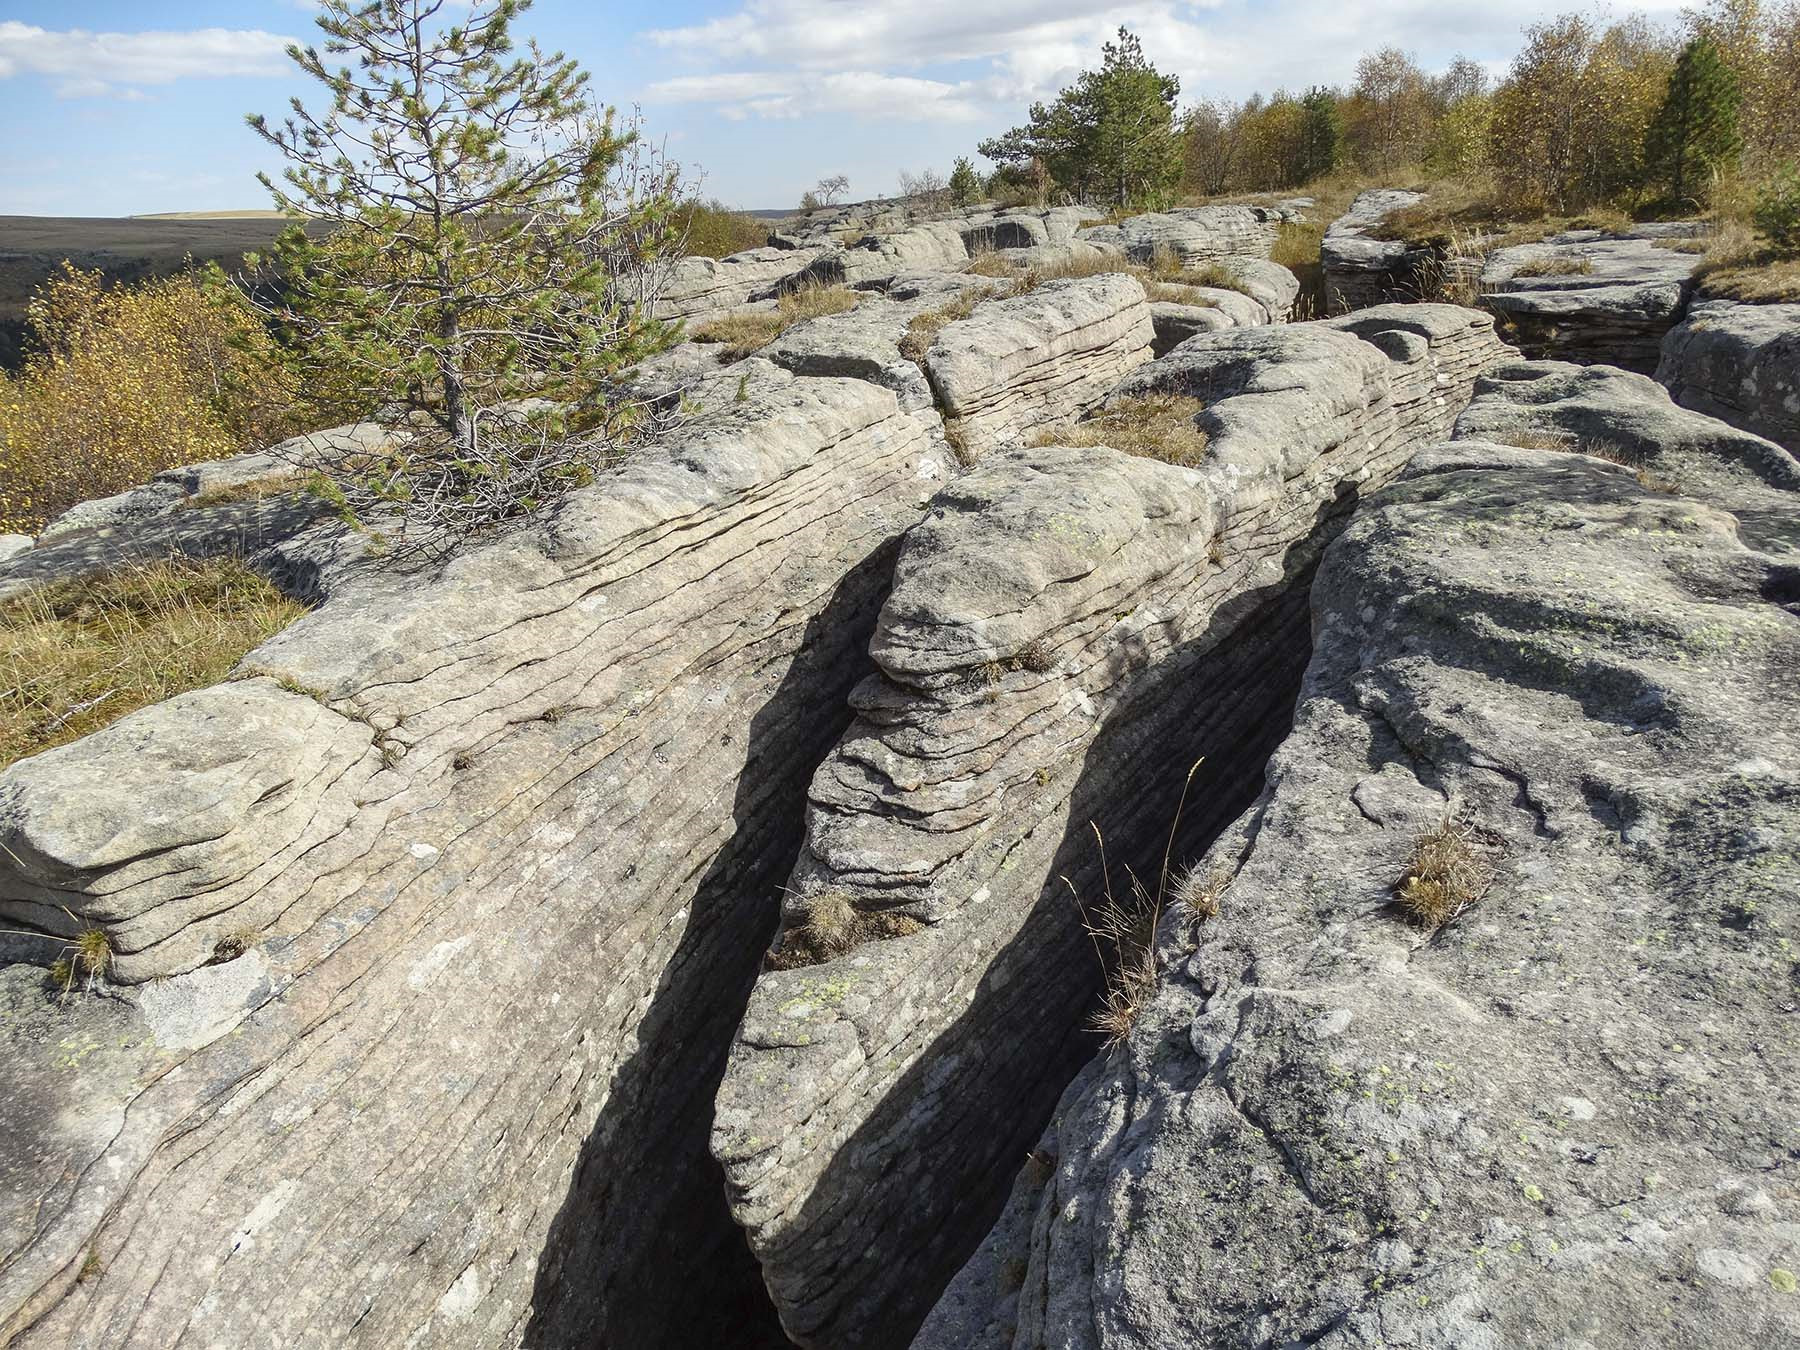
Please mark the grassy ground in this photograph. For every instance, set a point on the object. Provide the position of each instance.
(80, 655)
(743, 334)
(1153, 426)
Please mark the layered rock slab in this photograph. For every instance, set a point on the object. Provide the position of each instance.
(1739, 363)
(1070, 629)
(499, 848)
(1361, 270)
(1566, 1117)
(704, 288)
(1587, 296)
(1192, 235)
(1014, 366)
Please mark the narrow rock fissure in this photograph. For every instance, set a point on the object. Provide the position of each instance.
(689, 1278)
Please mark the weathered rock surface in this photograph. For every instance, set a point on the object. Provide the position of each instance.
(703, 288)
(1567, 1118)
(1192, 235)
(1016, 365)
(1069, 630)
(934, 246)
(12, 545)
(1740, 363)
(499, 847)
(1630, 416)
(1361, 271)
(1592, 297)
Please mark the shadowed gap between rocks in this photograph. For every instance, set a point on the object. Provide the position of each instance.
(1254, 673)
(681, 1275)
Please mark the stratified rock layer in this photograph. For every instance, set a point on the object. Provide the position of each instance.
(1017, 365)
(1192, 235)
(1592, 297)
(1361, 271)
(499, 849)
(1566, 1118)
(1740, 363)
(702, 288)
(1070, 630)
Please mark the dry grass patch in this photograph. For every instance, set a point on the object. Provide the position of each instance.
(1740, 265)
(279, 485)
(988, 263)
(833, 926)
(1555, 267)
(1175, 293)
(1150, 426)
(80, 655)
(1446, 874)
(924, 328)
(744, 334)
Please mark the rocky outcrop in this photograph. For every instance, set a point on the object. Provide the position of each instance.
(458, 888)
(1361, 271)
(1564, 1118)
(1069, 631)
(1017, 365)
(1740, 363)
(1629, 417)
(703, 288)
(935, 246)
(1192, 235)
(1592, 297)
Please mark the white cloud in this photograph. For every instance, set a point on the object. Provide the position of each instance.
(86, 64)
(788, 94)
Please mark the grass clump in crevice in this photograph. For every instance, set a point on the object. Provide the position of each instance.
(1445, 874)
(922, 329)
(1149, 426)
(79, 655)
(744, 334)
(1123, 931)
(832, 925)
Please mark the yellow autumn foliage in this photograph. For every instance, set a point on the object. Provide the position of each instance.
(124, 381)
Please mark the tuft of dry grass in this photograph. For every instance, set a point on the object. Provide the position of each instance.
(988, 263)
(1740, 265)
(1175, 293)
(1150, 426)
(1123, 931)
(744, 334)
(275, 486)
(79, 655)
(832, 926)
(1445, 874)
(922, 331)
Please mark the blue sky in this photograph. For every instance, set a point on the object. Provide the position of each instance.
(116, 108)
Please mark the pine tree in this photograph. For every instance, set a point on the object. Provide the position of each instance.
(1695, 132)
(1321, 135)
(1111, 133)
(965, 183)
(489, 234)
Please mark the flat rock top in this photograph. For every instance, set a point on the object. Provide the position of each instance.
(1585, 271)
(1345, 243)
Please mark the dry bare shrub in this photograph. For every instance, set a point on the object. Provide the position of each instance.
(79, 655)
(123, 382)
(1445, 874)
(1150, 426)
(832, 925)
(744, 334)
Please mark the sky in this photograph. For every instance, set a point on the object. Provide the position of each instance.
(128, 107)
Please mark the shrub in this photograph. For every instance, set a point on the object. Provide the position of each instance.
(743, 334)
(1777, 212)
(79, 655)
(710, 229)
(125, 381)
